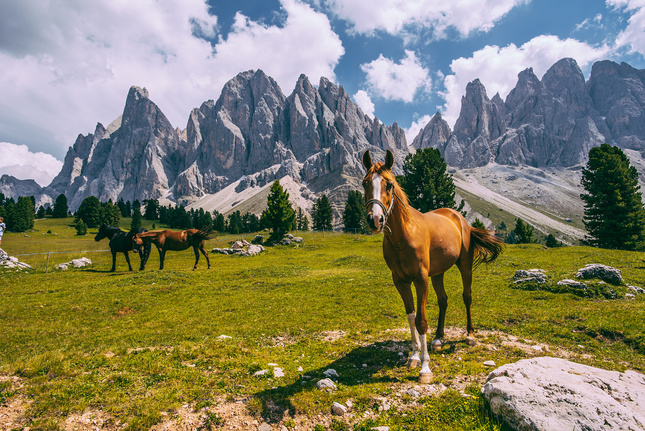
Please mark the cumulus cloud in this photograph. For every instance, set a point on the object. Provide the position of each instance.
(497, 68)
(70, 64)
(399, 16)
(364, 102)
(19, 162)
(416, 126)
(397, 81)
(633, 35)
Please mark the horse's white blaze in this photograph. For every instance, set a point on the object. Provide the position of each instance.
(416, 347)
(376, 194)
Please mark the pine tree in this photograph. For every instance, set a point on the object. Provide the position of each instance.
(614, 214)
(41, 212)
(152, 209)
(219, 222)
(478, 224)
(426, 181)
(136, 218)
(354, 213)
(89, 212)
(81, 227)
(279, 215)
(60, 207)
(110, 215)
(523, 232)
(302, 222)
(322, 214)
(23, 215)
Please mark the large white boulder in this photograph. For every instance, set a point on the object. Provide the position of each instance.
(554, 394)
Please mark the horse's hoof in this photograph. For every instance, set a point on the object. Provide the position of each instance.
(436, 345)
(471, 341)
(413, 363)
(425, 378)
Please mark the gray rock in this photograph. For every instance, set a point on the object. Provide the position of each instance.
(326, 384)
(259, 239)
(265, 427)
(532, 275)
(603, 272)
(636, 289)
(554, 394)
(331, 373)
(572, 283)
(338, 409)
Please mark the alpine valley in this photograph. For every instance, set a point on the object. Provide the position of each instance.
(519, 157)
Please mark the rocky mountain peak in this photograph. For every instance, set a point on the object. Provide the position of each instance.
(435, 134)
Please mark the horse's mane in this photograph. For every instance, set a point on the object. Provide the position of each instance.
(401, 201)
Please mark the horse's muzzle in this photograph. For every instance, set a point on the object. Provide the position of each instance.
(375, 223)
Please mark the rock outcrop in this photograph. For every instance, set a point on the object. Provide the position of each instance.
(554, 394)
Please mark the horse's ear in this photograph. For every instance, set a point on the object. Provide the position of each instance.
(367, 160)
(389, 160)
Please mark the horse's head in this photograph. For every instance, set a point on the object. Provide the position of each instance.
(103, 232)
(379, 185)
(137, 242)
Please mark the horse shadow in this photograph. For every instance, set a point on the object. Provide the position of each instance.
(362, 365)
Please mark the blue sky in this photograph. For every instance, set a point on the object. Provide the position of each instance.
(64, 65)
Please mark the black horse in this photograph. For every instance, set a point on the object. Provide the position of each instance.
(121, 241)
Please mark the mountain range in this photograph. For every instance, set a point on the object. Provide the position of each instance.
(528, 148)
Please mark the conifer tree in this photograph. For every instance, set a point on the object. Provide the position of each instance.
(279, 215)
(60, 207)
(322, 214)
(426, 181)
(614, 215)
(523, 232)
(89, 212)
(354, 213)
(136, 218)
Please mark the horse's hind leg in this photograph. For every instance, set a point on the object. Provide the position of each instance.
(466, 270)
(421, 323)
(205, 253)
(162, 256)
(144, 253)
(196, 251)
(408, 301)
(127, 259)
(442, 300)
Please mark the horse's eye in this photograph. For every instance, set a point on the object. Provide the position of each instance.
(365, 183)
(389, 186)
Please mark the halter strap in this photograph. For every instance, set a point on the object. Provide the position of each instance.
(386, 211)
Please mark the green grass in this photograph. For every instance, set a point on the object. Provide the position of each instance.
(137, 344)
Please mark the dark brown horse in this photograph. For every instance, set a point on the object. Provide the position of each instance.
(122, 242)
(418, 246)
(175, 241)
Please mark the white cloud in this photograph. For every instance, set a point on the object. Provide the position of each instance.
(415, 128)
(18, 161)
(497, 68)
(633, 36)
(67, 65)
(364, 102)
(397, 81)
(396, 16)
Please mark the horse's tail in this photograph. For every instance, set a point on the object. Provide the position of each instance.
(204, 233)
(488, 247)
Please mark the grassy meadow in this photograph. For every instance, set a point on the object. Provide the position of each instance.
(143, 348)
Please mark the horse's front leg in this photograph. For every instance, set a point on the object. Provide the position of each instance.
(205, 253)
(113, 261)
(421, 323)
(405, 291)
(162, 256)
(127, 259)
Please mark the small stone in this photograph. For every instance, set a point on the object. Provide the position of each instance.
(537, 348)
(572, 283)
(265, 427)
(380, 428)
(338, 409)
(489, 363)
(260, 373)
(331, 373)
(300, 368)
(326, 384)
(277, 372)
(412, 393)
(630, 296)
(223, 337)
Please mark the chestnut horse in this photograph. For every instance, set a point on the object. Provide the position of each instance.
(418, 246)
(176, 241)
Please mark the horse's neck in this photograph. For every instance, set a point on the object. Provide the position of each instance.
(397, 228)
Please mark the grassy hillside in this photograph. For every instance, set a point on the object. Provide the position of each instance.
(135, 349)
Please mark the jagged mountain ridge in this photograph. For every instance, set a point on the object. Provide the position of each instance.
(253, 134)
(554, 121)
